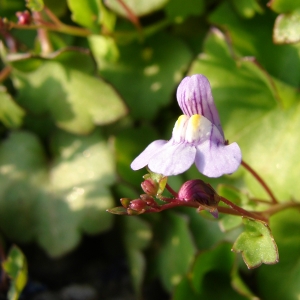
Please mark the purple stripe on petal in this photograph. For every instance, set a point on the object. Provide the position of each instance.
(194, 97)
(172, 159)
(143, 159)
(215, 160)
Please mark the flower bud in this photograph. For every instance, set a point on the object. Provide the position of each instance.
(125, 202)
(148, 199)
(137, 205)
(24, 17)
(149, 187)
(197, 190)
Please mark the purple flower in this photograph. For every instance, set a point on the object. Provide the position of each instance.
(197, 137)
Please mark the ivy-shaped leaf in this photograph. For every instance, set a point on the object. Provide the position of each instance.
(76, 100)
(15, 266)
(256, 244)
(55, 205)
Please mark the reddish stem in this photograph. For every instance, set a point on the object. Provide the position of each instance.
(172, 192)
(131, 16)
(242, 211)
(260, 180)
(4, 73)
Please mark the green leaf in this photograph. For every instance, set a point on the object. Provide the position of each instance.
(54, 206)
(284, 6)
(75, 100)
(219, 258)
(287, 28)
(137, 263)
(247, 8)
(11, 115)
(137, 235)
(15, 266)
(58, 7)
(281, 281)
(146, 75)
(256, 244)
(137, 7)
(177, 250)
(248, 39)
(35, 5)
(239, 285)
(178, 12)
(229, 222)
(209, 277)
(86, 13)
(184, 290)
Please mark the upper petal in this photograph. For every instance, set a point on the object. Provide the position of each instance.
(172, 159)
(194, 97)
(143, 159)
(215, 160)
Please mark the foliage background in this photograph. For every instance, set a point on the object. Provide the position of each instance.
(87, 85)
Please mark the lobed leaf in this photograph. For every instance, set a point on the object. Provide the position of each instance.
(256, 244)
(55, 206)
(75, 100)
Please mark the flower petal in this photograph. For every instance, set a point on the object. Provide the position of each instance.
(143, 159)
(194, 97)
(215, 160)
(172, 159)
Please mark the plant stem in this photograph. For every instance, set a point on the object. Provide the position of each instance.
(172, 192)
(131, 16)
(4, 73)
(242, 211)
(260, 180)
(67, 29)
(279, 207)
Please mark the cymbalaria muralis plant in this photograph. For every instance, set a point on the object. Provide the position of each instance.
(90, 91)
(198, 138)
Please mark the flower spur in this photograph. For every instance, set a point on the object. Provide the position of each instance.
(197, 137)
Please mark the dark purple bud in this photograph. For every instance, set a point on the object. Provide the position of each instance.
(137, 205)
(197, 190)
(24, 17)
(149, 187)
